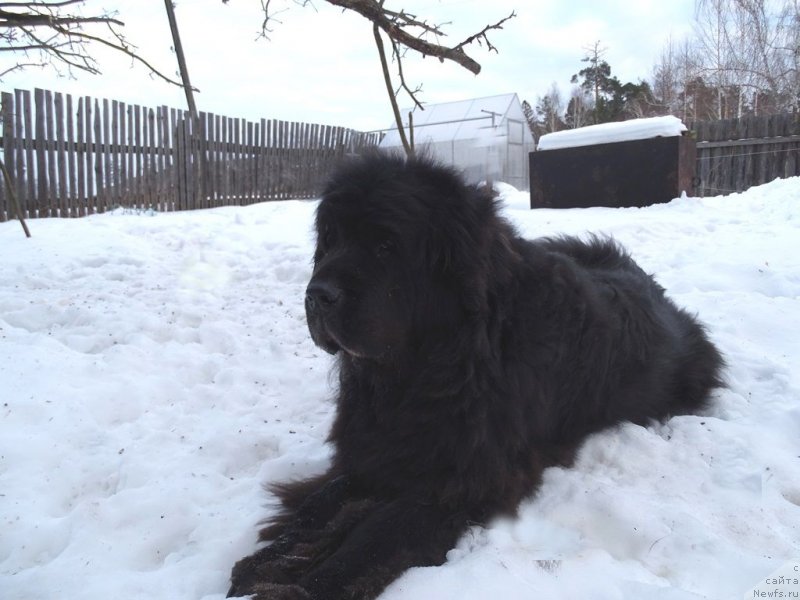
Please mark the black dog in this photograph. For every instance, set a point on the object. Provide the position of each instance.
(469, 360)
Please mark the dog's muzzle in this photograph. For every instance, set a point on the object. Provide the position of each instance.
(321, 300)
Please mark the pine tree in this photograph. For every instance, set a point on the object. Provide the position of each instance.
(530, 118)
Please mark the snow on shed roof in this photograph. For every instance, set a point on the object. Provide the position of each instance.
(606, 133)
(459, 120)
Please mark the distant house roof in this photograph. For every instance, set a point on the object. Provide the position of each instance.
(460, 120)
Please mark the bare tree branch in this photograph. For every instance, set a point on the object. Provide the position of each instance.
(9, 19)
(403, 85)
(481, 35)
(58, 33)
(50, 4)
(396, 24)
(19, 67)
(392, 95)
(407, 30)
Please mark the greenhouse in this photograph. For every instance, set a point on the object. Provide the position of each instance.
(486, 138)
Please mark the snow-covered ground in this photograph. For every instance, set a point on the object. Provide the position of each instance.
(156, 370)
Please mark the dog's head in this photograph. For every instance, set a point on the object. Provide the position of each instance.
(401, 248)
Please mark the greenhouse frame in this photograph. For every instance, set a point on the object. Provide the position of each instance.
(486, 138)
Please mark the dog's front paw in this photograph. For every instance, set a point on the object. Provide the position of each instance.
(260, 569)
(274, 591)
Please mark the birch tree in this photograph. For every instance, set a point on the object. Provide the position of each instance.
(746, 52)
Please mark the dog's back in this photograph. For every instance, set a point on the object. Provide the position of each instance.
(619, 348)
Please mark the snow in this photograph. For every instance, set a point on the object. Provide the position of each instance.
(156, 370)
(607, 133)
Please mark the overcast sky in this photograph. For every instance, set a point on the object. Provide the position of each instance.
(320, 64)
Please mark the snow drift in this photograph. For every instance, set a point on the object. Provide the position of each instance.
(156, 370)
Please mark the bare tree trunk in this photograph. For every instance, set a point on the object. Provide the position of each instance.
(398, 119)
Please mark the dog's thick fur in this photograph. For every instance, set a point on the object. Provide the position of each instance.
(469, 360)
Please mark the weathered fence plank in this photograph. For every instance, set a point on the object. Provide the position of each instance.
(30, 163)
(41, 153)
(61, 163)
(72, 188)
(152, 193)
(91, 188)
(80, 200)
(271, 183)
(100, 191)
(6, 205)
(124, 145)
(127, 125)
(50, 136)
(249, 194)
(19, 152)
(116, 176)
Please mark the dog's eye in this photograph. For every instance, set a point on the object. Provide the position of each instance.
(384, 248)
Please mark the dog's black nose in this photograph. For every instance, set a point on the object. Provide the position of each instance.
(322, 296)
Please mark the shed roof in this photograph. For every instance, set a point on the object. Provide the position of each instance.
(608, 133)
(460, 120)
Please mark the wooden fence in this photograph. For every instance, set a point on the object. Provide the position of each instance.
(735, 154)
(71, 157)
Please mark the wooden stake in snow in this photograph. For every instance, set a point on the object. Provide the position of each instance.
(176, 40)
(13, 196)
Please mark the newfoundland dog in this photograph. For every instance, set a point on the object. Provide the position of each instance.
(469, 361)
